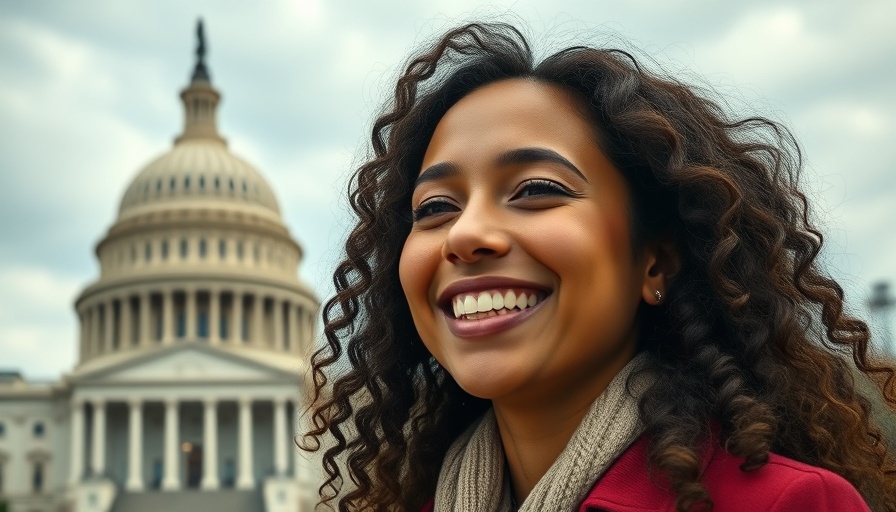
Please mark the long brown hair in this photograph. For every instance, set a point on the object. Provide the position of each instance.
(753, 339)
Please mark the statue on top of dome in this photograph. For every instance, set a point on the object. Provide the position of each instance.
(200, 72)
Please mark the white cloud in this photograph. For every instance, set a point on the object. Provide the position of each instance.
(38, 327)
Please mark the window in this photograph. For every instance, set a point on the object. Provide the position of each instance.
(222, 326)
(184, 248)
(181, 324)
(173, 183)
(217, 183)
(2, 429)
(202, 248)
(256, 252)
(203, 324)
(148, 251)
(159, 186)
(239, 250)
(37, 478)
(186, 183)
(202, 183)
(222, 248)
(164, 250)
(231, 185)
(38, 429)
(245, 188)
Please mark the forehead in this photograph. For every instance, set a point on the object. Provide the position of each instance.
(512, 113)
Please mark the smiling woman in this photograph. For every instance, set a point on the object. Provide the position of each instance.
(576, 285)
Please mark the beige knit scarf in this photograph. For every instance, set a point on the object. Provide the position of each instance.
(472, 475)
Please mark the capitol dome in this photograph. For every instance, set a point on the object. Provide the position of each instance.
(198, 254)
(199, 171)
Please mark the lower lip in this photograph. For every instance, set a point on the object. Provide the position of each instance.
(491, 325)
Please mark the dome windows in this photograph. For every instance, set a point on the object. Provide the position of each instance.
(148, 252)
(202, 248)
(186, 183)
(184, 248)
(164, 250)
(173, 184)
(222, 249)
(202, 183)
(217, 183)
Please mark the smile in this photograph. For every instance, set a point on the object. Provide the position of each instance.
(490, 303)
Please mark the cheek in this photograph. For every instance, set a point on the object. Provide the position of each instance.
(415, 271)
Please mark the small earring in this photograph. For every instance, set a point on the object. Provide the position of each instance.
(658, 295)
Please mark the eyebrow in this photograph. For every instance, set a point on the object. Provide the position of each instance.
(518, 156)
(535, 155)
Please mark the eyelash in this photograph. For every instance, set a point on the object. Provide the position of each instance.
(546, 187)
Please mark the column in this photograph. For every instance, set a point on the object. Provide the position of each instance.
(236, 320)
(214, 316)
(190, 298)
(257, 336)
(167, 317)
(279, 436)
(295, 343)
(170, 478)
(298, 461)
(135, 446)
(245, 479)
(145, 320)
(109, 328)
(77, 442)
(210, 446)
(278, 324)
(98, 460)
(125, 332)
(83, 347)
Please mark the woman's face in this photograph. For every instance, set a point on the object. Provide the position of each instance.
(519, 271)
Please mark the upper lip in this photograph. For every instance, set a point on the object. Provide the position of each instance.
(482, 283)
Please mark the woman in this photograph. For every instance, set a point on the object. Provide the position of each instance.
(577, 285)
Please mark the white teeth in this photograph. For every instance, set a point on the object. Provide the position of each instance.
(491, 303)
(470, 305)
(484, 302)
(509, 299)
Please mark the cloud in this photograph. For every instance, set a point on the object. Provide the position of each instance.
(38, 327)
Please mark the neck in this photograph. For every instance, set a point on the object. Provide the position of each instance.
(535, 431)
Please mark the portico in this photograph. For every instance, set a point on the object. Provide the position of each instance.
(177, 432)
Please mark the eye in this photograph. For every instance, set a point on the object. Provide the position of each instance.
(433, 207)
(540, 187)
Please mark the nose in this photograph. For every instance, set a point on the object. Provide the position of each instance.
(477, 233)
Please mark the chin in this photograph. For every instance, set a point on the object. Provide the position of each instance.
(486, 380)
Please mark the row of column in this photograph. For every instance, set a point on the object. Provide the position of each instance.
(111, 323)
(171, 475)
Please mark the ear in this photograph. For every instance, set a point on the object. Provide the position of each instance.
(661, 264)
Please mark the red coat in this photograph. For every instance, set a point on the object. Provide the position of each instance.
(781, 485)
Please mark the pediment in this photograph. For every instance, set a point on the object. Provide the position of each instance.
(188, 364)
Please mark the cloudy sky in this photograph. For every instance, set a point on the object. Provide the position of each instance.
(88, 95)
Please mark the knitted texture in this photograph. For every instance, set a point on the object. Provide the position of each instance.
(472, 476)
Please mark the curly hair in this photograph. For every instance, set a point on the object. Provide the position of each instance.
(753, 346)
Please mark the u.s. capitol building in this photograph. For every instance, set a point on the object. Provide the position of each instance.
(192, 345)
